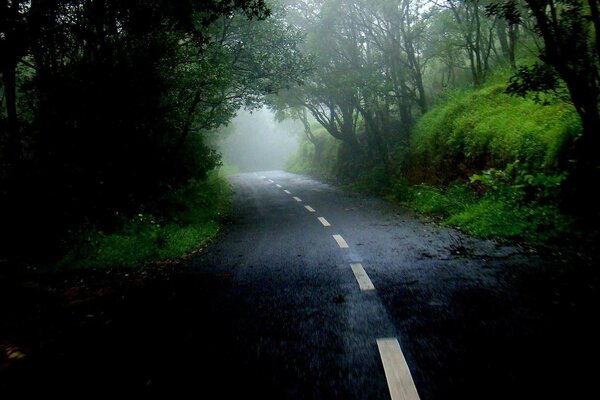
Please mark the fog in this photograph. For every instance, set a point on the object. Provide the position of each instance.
(256, 142)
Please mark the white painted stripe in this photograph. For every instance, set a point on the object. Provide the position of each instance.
(397, 374)
(323, 221)
(340, 241)
(278, 185)
(364, 282)
(271, 180)
(287, 191)
(263, 177)
(298, 199)
(309, 208)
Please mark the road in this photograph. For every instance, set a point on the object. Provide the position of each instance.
(473, 319)
(274, 309)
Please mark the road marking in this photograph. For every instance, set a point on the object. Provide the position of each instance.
(397, 374)
(263, 177)
(298, 199)
(287, 191)
(323, 221)
(278, 185)
(271, 180)
(364, 282)
(341, 242)
(309, 208)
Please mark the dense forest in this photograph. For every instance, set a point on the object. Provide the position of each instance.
(482, 112)
(106, 106)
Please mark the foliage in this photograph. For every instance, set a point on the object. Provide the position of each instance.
(431, 200)
(106, 104)
(541, 79)
(304, 162)
(190, 217)
(504, 212)
(520, 184)
(476, 130)
(569, 31)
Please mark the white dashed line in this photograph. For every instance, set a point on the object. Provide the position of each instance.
(287, 191)
(364, 282)
(263, 177)
(271, 180)
(341, 242)
(298, 199)
(323, 221)
(309, 208)
(399, 379)
(278, 185)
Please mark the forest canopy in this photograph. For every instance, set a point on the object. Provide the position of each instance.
(104, 103)
(381, 65)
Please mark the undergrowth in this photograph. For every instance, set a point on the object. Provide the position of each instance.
(190, 219)
(510, 204)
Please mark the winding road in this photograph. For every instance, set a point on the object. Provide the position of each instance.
(337, 296)
(311, 292)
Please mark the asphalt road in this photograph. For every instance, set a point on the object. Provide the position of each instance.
(273, 310)
(475, 320)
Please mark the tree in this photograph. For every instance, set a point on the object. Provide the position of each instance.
(105, 102)
(367, 84)
(569, 30)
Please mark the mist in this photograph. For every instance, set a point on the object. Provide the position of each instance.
(254, 141)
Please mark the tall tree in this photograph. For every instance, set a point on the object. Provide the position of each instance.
(570, 53)
(104, 102)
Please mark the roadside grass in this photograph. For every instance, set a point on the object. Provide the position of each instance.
(191, 218)
(490, 215)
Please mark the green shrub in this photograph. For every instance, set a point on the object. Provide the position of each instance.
(442, 202)
(305, 161)
(497, 218)
(190, 218)
(512, 204)
(486, 128)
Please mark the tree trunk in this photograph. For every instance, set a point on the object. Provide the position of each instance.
(316, 142)
(501, 29)
(586, 173)
(375, 132)
(189, 120)
(9, 80)
(595, 17)
(512, 45)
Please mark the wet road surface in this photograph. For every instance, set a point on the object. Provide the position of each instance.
(308, 287)
(467, 313)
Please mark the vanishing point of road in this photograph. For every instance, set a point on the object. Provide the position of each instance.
(312, 292)
(336, 296)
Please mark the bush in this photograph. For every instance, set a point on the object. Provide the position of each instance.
(497, 218)
(190, 219)
(512, 204)
(486, 128)
(442, 202)
(306, 161)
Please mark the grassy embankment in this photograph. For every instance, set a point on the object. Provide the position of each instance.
(480, 160)
(191, 217)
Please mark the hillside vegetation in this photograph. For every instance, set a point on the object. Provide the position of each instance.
(475, 130)
(480, 160)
